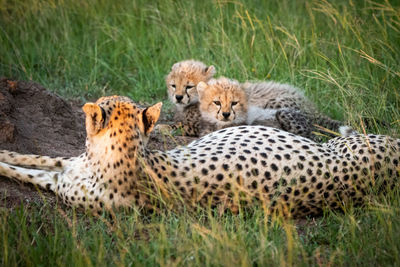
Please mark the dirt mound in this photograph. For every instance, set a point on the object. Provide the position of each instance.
(36, 121)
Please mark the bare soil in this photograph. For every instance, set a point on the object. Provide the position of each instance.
(34, 120)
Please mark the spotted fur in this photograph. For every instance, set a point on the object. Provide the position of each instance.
(273, 95)
(231, 168)
(296, 113)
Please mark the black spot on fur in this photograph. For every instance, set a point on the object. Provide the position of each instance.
(239, 167)
(274, 167)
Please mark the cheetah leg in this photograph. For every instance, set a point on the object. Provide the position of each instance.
(188, 130)
(294, 121)
(33, 161)
(44, 179)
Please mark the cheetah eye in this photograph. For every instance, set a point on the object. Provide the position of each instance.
(217, 103)
(188, 87)
(234, 103)
(173, 86)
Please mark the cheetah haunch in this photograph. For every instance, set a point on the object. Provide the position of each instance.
(230, 168)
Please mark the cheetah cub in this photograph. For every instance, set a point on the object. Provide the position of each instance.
(183, 79)
(270, 103)
(224, 103)
(182, 91)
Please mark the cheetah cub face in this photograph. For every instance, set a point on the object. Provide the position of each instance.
(183, 79)
(223, 102)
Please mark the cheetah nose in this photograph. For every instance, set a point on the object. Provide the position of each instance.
(226, 114)
(179, 98)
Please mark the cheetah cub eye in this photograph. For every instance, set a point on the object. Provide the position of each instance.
(218, 103)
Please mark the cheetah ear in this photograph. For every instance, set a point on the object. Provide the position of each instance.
(175, 66)
(210, 71)
(201, 88)
(95, 117)
(150, 116)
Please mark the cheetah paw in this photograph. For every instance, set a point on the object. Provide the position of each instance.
(346, 131)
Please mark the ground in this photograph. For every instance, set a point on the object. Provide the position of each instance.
(34, 120)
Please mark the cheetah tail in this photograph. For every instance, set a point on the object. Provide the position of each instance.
(33, 161)
(44, 179)
(334, 125)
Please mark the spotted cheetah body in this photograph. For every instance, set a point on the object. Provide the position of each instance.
(230, 168)
(284, 171)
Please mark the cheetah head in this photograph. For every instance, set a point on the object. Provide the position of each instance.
(117, 123)
(222, 101)
(183, 79)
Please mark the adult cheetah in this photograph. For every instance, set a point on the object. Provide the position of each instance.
(230, 168)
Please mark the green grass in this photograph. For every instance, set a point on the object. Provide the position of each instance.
(44, 235)
(344, 54)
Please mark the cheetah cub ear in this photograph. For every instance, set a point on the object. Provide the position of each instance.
(150, 116)
(176, 66)
(209, 71)
(95, 117)
(201, 89)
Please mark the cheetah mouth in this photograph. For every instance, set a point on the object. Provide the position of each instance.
(181, 103)
(225, 121)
